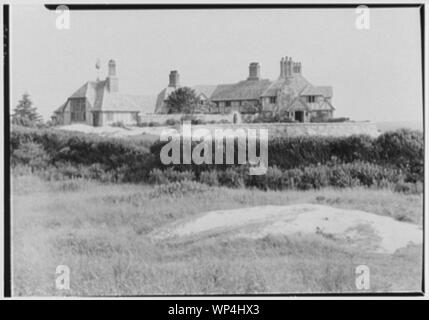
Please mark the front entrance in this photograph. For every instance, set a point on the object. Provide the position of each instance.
(299, 116)
(236, 117)
(96, 119)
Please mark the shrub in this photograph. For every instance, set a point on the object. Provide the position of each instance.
(159, 176)
(294, 162)
(127, 159)
(209, 177)
(172, 122)
(178, 189)
(153, 124)
(274, 179)
(405, 149)
(409, 188)
(30, 154)
(231, 178)
(314, 178)
(338, 177)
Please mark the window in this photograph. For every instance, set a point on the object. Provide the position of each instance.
(227, 103)
(77, 110)
(273, 100)
(311, 98)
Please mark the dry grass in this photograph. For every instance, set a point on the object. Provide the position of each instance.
(100, 232)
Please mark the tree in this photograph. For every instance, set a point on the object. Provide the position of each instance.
(182, 100)
(25, 114)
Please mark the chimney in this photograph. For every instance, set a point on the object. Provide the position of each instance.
(112, 68)
(289, 64)
(174, 79)
(112, 79)
(296, 67)
(282, 68)
(285, 65)
(254, 71)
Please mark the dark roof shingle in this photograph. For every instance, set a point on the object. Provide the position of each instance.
(243, 90)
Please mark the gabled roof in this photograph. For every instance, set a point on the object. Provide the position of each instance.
(81, 92)
(298, 103)
(243, 90)
(206, 90)
(100, 98)
(162, 96)
(325, 91)
(296, 83)
(60, 109)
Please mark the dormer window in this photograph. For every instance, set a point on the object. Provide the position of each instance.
(311, 99)
(273, 100)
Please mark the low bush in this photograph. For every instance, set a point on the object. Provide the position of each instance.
(129, 160)
(294, 162)
(30, 154)
(409, 188)
(153, 124)
(231, 178)
(209, 178)
(172, 122)
(158, 176)
(178, 189)
(404, 149)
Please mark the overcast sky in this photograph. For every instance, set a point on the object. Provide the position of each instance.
(375, 74)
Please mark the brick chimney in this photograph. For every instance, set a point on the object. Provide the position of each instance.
(112, 80)
(282, 67)
(288, 67)
(296, 67)
(254, 71)
(174, 79)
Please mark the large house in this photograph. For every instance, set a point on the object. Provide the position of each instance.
(100, 103)
(291, 95)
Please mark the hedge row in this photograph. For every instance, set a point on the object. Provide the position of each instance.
(42, 148)
(402, 149)
(312, 177)
(133, 160)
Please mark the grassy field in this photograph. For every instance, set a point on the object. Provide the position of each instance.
(100, 232)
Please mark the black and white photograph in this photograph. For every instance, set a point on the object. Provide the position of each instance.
(214, 150)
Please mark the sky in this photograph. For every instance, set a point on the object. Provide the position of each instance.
(375, 73)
